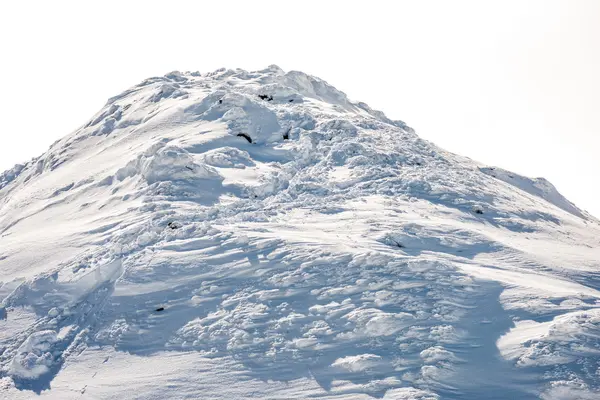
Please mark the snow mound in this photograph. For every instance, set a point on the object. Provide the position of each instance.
(437, 354)
(360, 363)
(228, 157)
(162, 162)
(34, 357)
(550, 343)
(316, 88)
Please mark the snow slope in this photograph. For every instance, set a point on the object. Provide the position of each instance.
(327, 252)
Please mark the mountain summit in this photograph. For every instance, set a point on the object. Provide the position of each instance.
(257, 234)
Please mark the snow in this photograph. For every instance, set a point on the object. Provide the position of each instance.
(538, 187)
(359, 363)
(335, 255)
(33, 358)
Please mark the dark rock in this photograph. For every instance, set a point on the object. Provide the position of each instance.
(174, 225)
(265, 97)
(245, 136)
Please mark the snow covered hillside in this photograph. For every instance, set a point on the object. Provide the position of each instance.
(237, 234)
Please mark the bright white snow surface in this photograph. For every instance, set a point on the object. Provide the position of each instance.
(336, 256)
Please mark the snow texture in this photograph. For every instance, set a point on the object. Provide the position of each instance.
(256, 234)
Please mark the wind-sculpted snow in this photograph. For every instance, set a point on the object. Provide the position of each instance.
(256, 234)
(537, 187)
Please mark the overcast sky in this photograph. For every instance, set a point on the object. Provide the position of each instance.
(515, 84)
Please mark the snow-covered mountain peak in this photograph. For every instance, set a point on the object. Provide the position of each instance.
(256, 234)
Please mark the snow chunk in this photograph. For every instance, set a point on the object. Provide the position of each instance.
(409, 394)
(339, 126)
(372, 322)
(34, 357)
(228, 157)
(444, 334)
(54, 312)
(162, 162)
(436, 354)
(167, 90)
(242, 114)
(360, 363)
(305, 343)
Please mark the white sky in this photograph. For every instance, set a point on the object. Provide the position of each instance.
(510, 83)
